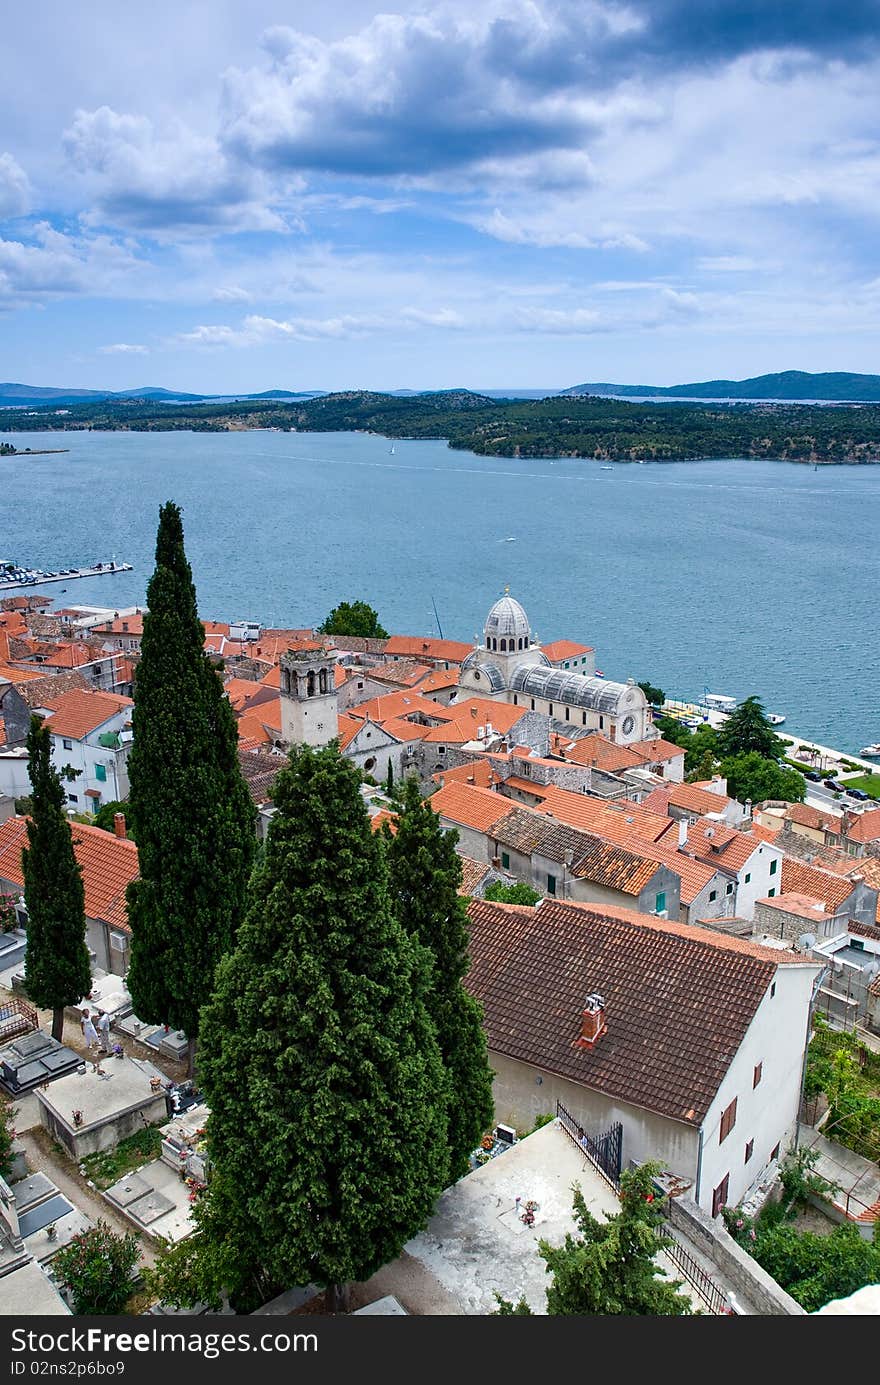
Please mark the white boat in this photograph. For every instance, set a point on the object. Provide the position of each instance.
(391, 451)
(871, 752)
(719, 702)
(775, 718)
(606, 468)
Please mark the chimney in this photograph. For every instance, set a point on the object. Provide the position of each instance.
(473, 712)
(682, 832)
(593, 1024)
(119, 825)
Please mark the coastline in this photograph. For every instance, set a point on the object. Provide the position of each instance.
(36, 451)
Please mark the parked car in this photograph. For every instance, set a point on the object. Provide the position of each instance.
(859, 794)
(814, 775)
(832, 784)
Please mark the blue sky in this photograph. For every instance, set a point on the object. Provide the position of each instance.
(223, 196)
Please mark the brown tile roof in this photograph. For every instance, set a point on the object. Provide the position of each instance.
(479, 772)
(472, 872)
(240, 691)
(401, 704)
(823, 885)
(694, 799)
(865, 828)
(793, 903)
(469, 806)
(424, 647)
(602, 862)
(406, 674)
(75, 714)
(721, 845)
(9, 674)
(439, 679)
(667, 1047)
(694, 875)
(653, 752)
(108, 864)
(122, 625)
(260, 772)
(41, 692)
(600, 753)
(806, 816)
(559, 650)
(617, 821)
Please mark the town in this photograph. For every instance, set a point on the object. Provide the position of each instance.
(667, 957)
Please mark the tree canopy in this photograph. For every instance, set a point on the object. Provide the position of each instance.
(193, 812)
(425, 875)
(318, 1058)
(96, 1267)
(57, 971)
(748, 729)
(518, 893)
(752, 777)
(106, 815)
(656, 696)
(354, 618)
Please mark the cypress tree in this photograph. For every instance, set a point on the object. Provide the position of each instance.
(425, 874)
(56, 968)
(318, 1057)
(194, 814)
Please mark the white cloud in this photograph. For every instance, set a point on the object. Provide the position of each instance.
(15, 189)
(123, 348)
(54, 263)
(231, 294)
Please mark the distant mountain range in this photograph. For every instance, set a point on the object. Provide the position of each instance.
(793, 385)
(37, 396)
(787, 384)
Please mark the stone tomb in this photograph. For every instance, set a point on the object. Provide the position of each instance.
(33, 1060)
(111, 1106)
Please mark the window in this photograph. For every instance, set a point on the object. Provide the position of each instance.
(567, 715)
(533, 704)
(773, 865)
(729, 889)
(719, 1197)
(101, 773)
(757, 1074)
(441, 750)
(771, 892)
(774, 1153)
(583, 718)
(748, 876)
(660, 901)
(601, 723)
(505, 860)
(68, 745)
(713, 894)
(566, 665)
(515, 700)
(728, 1121)
(551, 884)
(750, 1149)
(773, 990)
(550, 710)
(72, 798)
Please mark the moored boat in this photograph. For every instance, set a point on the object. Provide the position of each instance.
(870, 752)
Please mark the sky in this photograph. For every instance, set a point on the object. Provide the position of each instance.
(222, 196)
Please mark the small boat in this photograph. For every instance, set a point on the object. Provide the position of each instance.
(775, 718)
(391, 451)
(606, 468)
(870, 752)
(511, 539)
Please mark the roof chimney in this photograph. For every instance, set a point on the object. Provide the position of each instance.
(682, 832)
(119, 825)
(593, 1024)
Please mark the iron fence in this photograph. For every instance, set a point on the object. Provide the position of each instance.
(693, 1273)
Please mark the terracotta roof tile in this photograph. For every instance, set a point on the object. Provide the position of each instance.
(721, 845)
(260, 772)
(424, 647)
(468, 806)
(793, 903)
(75, 714)
(694, 798)
(40, 692)
(865, 828)
(108, 864)
(667, 1046)
(604, 863)
(558, 650)
(823, 885)
(618, 820)
(472, 872)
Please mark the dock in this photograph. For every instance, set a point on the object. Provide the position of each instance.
(13, 578)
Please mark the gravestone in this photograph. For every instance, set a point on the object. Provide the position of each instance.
(147, 1208)
(128, 1189)
(31, 1190)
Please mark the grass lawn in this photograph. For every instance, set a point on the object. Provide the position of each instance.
(869, 782)
(108, 1166)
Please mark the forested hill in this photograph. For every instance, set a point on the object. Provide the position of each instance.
(784, 385)
(591, 427)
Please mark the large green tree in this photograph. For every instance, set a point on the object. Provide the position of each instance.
(354, 618)
(56, 967)
(194, 814)
(319, 1058)
(751, 776)
(747, 729)
(425, 872)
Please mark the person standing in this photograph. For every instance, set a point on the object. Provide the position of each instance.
(90, 1033)
(103, 1027)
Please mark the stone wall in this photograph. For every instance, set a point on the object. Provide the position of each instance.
(736, 1266)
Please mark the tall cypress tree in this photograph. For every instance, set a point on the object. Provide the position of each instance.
(425, 872)
(195, 817)
(318, 1057)
(56, 967)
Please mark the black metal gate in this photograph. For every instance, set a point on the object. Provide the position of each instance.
(605, 1150)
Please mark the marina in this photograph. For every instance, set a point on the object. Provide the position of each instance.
(13, 577)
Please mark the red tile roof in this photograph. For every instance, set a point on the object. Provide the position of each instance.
(695, 799)
(618, 820)
(600, 753)
(793, 903)
(823, 885)
(400, 704)
(108, 863)
(75, 714)
(558, 650)
(865, 828)
(721, 845)
(807, 816)
(667, 1046)
(479, 772)
(694, 875)
(424, 647)
(472, 872)
(469, 806)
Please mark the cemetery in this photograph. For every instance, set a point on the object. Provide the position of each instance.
(96, 1107)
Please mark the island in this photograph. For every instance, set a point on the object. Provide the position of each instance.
(592, 427)
(7, 450)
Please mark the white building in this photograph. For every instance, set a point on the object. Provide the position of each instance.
(91, 738)
(693, 1041)
(510, 666)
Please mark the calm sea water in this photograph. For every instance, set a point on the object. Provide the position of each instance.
(743, 577)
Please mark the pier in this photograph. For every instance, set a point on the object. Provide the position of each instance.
(12, 577)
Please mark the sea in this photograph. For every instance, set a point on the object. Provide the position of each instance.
(733, 576)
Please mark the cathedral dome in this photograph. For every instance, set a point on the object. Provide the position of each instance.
(507, 621)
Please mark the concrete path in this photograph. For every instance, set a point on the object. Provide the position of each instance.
(857, 1178)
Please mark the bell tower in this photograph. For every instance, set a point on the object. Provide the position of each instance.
(309, 712)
